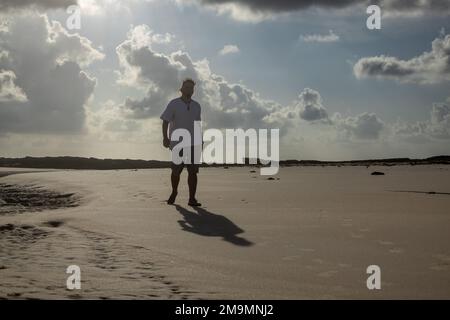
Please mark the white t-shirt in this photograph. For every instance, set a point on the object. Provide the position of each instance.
(179, 115)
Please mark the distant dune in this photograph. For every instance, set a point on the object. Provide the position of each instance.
(66, 162)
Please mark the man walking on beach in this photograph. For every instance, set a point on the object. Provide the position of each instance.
(181, 113)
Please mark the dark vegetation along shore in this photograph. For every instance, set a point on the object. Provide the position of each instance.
(66, 162)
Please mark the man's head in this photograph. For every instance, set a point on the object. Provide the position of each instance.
(187, 88)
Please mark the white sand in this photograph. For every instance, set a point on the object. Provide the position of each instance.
(310, 234)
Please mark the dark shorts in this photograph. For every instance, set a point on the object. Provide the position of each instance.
(192, 166)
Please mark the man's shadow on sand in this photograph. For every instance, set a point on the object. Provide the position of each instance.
(209, 224)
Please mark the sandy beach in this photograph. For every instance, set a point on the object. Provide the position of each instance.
(310, 233)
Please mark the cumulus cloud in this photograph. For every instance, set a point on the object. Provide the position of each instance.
(282, 5)
(410, 132)
(363, 126)
(310, 105)
(133, 54)
(44, 4)
(88, 7)
(430, 67)
(415, 7)
(8, 90)
(321, 38)
(224, 104)
(306, 108)
(229, 49)
(439, 124)
(256, 10)
(436, 127)
(109, 123)
(162, 38)
(104, 7)
(46, 64)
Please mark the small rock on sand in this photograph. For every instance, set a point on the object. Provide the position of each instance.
(377, 173)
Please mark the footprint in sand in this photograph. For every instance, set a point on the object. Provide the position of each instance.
(318, 261)
(291, 258)
(53, 223)
(385, 243)
(137, 272)
(344, 265)
(14, 294)
(396, 250)
(307, 250)
(143, 196)
(347, 223)
(327, 274)
(442, 264)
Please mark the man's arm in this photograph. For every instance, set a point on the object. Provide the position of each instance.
(166, 140)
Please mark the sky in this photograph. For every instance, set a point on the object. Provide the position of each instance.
(335, 89)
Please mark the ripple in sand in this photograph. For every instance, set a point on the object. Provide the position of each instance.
(111, 268)
(21, 234)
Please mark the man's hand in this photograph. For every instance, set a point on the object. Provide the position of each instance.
(166, 142)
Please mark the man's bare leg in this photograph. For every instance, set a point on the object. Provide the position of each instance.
(175, 180)
(192, 183)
